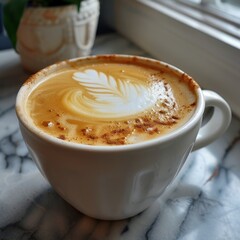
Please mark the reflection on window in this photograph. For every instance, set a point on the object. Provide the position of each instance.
(223, 15)
(228, 7)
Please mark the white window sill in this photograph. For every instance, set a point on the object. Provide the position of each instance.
(210, 56)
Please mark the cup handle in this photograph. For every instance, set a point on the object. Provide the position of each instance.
(217, 124)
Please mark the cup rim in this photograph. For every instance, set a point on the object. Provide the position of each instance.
(31, 83)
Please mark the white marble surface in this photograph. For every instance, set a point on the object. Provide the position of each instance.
(202, 203)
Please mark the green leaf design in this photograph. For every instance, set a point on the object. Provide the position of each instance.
(54, 3)
(12, 13)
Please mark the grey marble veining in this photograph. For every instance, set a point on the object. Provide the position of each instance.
(203, 202)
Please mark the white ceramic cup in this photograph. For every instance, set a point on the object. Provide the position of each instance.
(116, 182)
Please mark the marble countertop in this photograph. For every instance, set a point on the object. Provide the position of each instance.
(202, 203)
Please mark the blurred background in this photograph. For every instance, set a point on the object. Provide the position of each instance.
(201, 37)
(106, 16)
(4, 40)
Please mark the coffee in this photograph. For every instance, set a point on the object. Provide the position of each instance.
(111, 101)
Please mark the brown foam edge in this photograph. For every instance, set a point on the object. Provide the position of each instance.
(112, 58)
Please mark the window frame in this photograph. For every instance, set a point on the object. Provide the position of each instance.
(209, 55)
(208, 7)
(206, 14)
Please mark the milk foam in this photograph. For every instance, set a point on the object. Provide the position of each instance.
(102, 96)
(110, 103)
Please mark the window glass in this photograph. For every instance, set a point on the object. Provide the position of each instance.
(223, 15)
(229, 7)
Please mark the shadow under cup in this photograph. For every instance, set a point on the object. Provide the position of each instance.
(110, 182)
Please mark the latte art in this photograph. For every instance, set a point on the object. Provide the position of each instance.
(110, 103)
(103, 96)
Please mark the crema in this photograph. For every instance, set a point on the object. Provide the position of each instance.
(111, 102)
